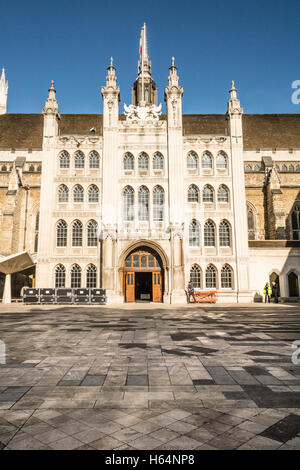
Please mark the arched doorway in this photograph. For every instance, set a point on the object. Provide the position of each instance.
(143, 276)
(293, 285)
(274, 277)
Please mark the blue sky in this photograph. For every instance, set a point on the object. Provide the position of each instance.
(253, 42)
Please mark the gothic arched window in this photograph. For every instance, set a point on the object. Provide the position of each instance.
(79, 160)
(128, 162)
(61, 233)
(193, 194)
(211, 277)
(291, 168)
(224, 233)
(78, 194)
(194, 234)
(91, 276)
(93, 194)
(192, 160)
(209, 233)
(223, 194)
(284, 168)
(60, 276)
(143, 162)
(75, 276)
(158, 161)
(64, 160)
(226, 277)
(248, 168)
(296, 222)
(63, 193)
(128, 204)
(298, 168)
(221, 161)
(4, 168)
(208, 194)
(36, 234)
(143, 197)
(158, 204)
(251, 223)
(256, 168)
(94, 159)
(92, 233)
(77, 233)
(206, 161)
(195, 276)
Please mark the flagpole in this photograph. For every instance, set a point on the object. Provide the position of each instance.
(143, 42)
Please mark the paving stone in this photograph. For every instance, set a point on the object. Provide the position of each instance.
(220, 376)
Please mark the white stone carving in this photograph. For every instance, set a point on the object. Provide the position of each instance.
(142, 113)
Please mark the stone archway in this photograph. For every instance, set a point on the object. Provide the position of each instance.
(144, 272)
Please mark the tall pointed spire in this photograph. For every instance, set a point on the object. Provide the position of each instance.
(3, 93)
(51, 105)
(234, 104)
(144, 89)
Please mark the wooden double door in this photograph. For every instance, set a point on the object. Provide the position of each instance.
(142, 277)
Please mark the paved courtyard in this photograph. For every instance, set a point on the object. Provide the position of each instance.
(149, 377)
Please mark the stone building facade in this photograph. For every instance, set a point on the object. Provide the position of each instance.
(141, 202)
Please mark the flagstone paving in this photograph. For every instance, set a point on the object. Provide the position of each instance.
(149, 377)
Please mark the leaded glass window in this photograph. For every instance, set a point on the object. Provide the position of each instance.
(209, 234)
(211, 277)
(61, 233)
(143, 197)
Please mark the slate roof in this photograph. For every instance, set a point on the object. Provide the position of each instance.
(261, 131)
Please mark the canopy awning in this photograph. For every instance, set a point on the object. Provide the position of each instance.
(16, 262)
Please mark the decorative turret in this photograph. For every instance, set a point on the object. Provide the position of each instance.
(3, 93)
(234, 105)
(111, 97)
(173, 97)
(144, 89)
(51, 114)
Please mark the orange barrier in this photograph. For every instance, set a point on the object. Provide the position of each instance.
(204, 296)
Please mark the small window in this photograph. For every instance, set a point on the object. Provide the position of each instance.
(128, 162)
(211, 277)
(93, 194)
(63, 193)
(94, 160)
(206, 161)
(223, 194)
(76, 276)
(208, 194)
(194, 234)
(143, 162)
(143, 198)
(158, 162)
(158, 204)
(209, 234)
(248, 168)
(284, 168)
(128, 204)
(193, 194)
(92, 233)
(78, 194)
(195, 276)
(61, 233)
(77, 234)
(60, 276)
(79, 160)
(221, 161)
(224, 233)
(291, 168)
(226, 277)
(192, 160)
(91, 276)
(64, 160)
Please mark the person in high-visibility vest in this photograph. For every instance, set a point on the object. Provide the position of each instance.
(267, 290)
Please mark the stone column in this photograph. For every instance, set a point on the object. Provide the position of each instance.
(7, 290)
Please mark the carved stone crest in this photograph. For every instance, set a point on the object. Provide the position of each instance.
(142, 113)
